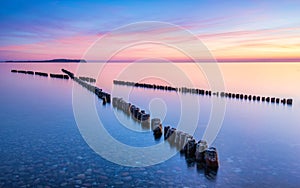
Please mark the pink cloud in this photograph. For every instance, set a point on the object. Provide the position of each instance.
(243, 44)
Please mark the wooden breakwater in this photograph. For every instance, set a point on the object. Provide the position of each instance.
(22, 71)
(52, 75)
(41, 74)
(196, 151)
(184, 142)
(231, 95)
(70, 74)
(105, 97)
(87, 79)
(62, 76)
(130, 109)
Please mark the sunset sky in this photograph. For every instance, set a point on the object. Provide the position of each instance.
(231, 30)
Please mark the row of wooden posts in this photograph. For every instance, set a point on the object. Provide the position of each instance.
(52, 75)
(184, 142)
(104, 96)
(239, 96)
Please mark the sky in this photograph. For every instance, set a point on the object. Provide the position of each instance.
(230, 30)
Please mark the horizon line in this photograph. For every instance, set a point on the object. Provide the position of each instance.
(228, 60)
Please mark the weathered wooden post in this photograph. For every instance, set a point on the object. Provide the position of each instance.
(200, 150)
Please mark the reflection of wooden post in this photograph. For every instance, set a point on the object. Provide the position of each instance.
(146, 124)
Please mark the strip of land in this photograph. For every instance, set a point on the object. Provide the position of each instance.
(50, 61)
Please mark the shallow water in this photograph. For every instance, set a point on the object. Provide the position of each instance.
(258, 144)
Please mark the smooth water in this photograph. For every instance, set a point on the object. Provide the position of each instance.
(40, 145)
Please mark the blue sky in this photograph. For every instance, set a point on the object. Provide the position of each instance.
(34, 22)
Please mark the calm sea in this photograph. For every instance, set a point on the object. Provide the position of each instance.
(41, 143)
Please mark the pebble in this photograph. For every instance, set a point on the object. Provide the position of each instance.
(94, 183)
(237, 170)
(87, 185)
(81, 176)
(64, 184)
(103, 177)
(229, 160)
(127, 178)
(36, 181)
(79, 182)
(119, 183)
(125, 173)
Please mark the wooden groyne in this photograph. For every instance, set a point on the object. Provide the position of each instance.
(185, 143)
(22, 71)
(87, 79)
(105, 97)
(135, 112)
(52, 75)
(62, 76)
(206, 157)
(41, 74)
(198, 91)
(144, 85)
(194, 151)
(70, 74)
